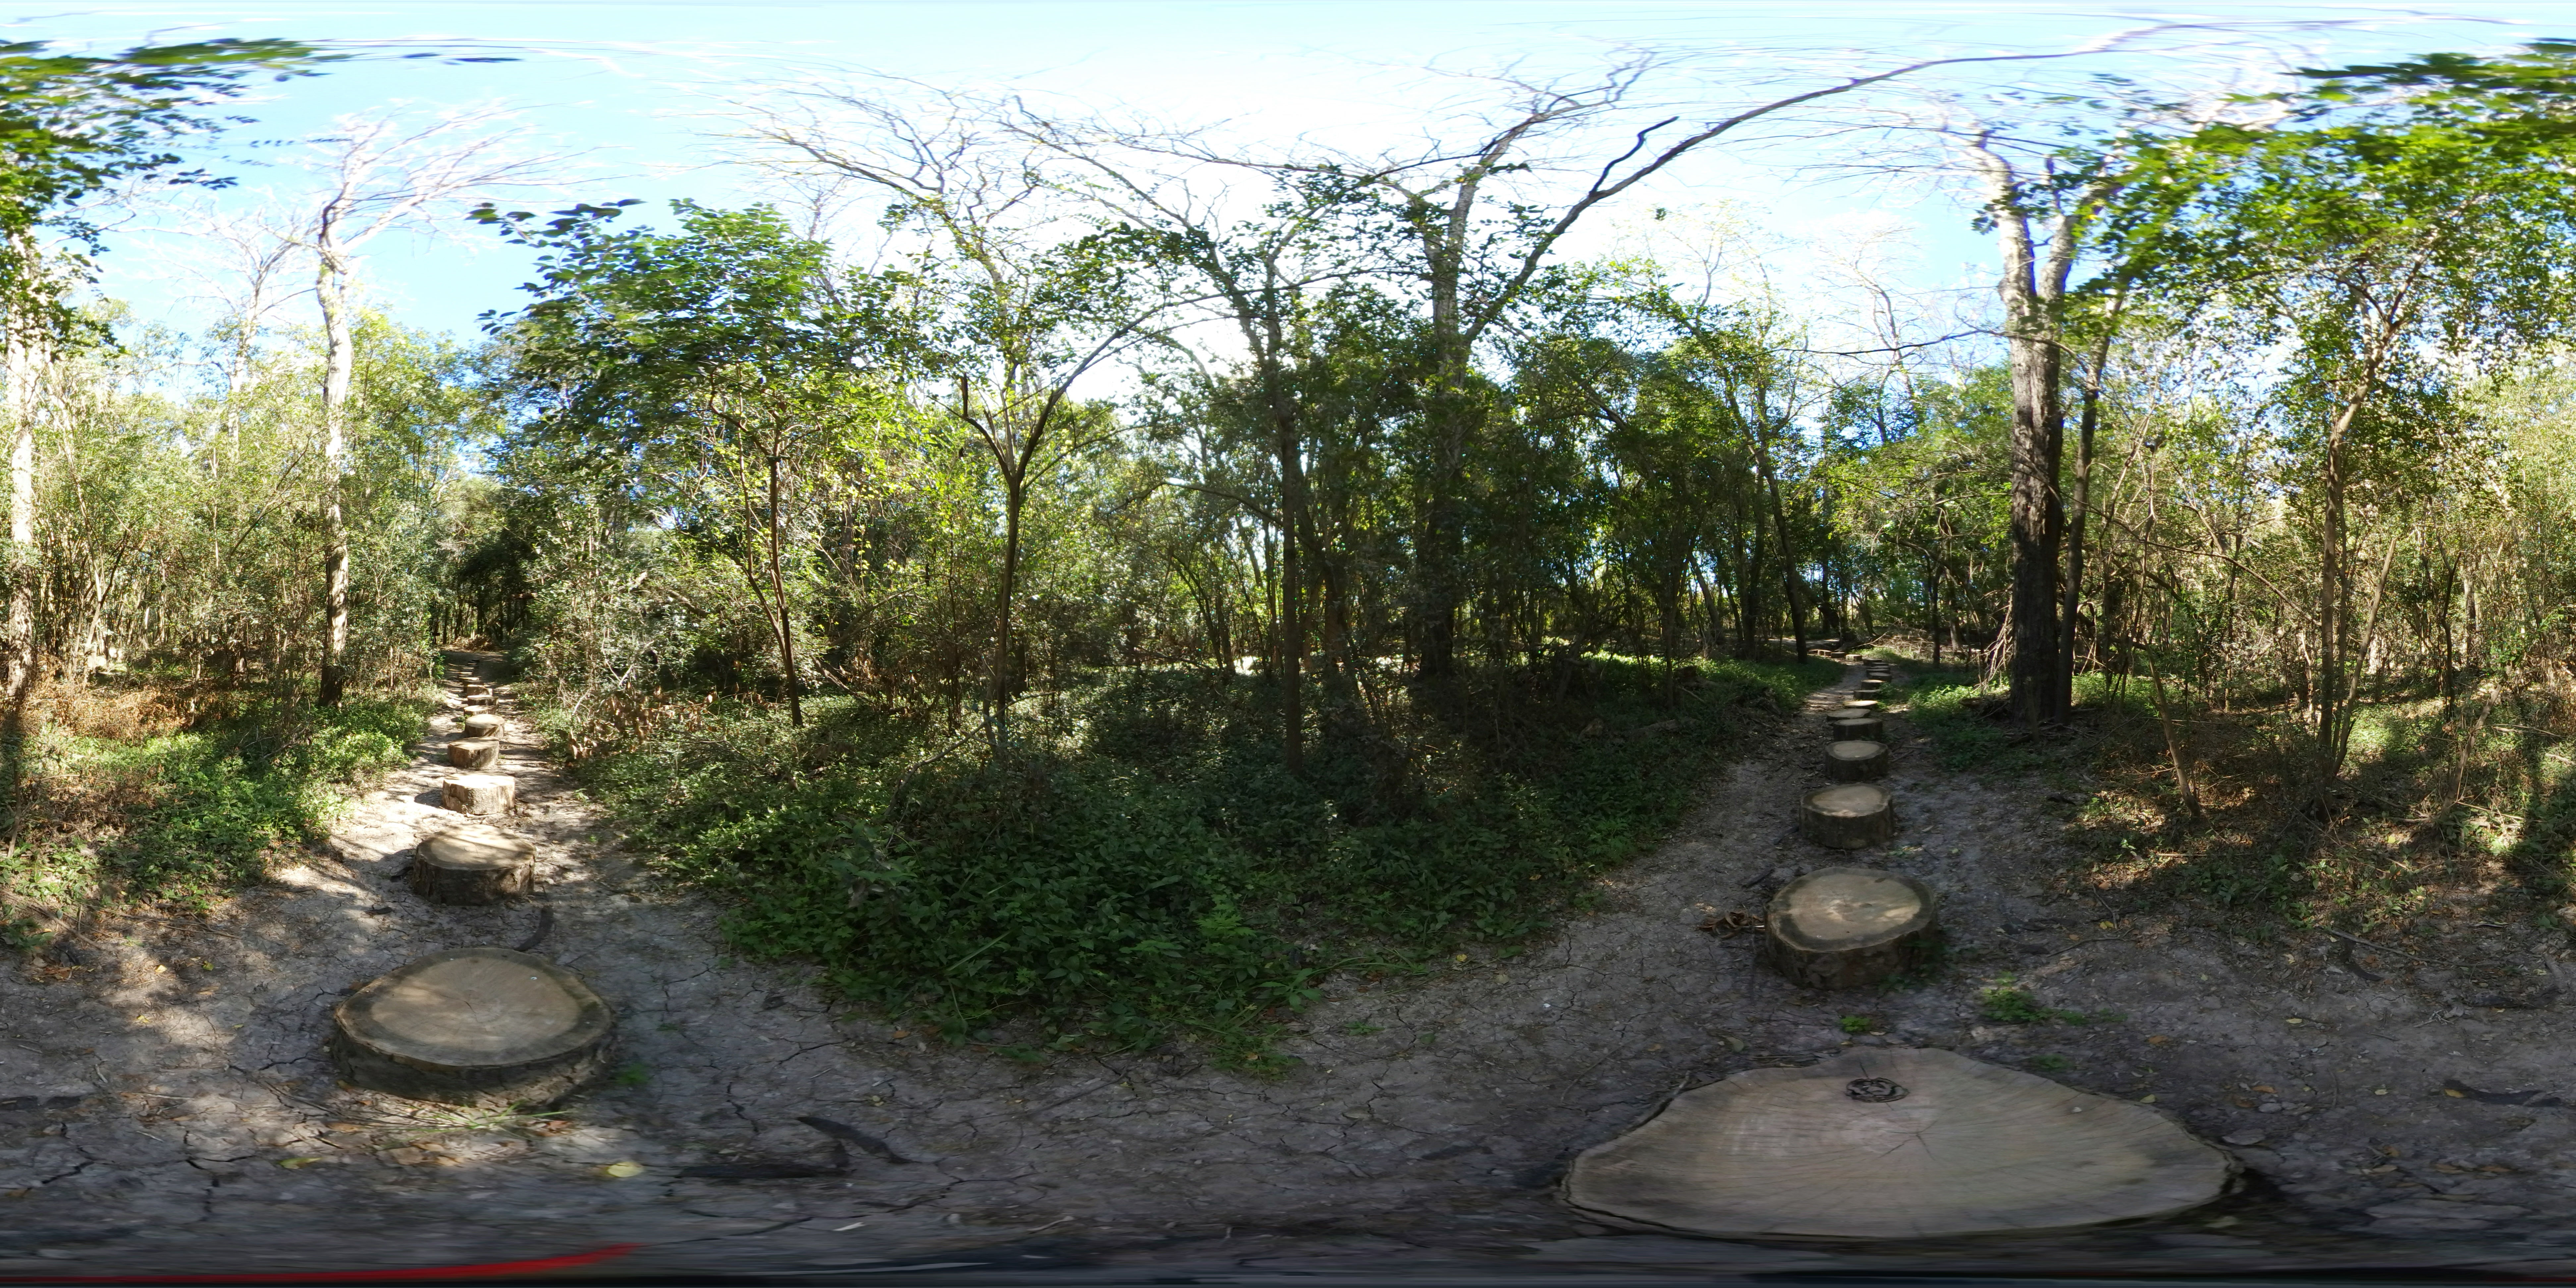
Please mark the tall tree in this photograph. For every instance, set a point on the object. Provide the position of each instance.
(70, 125)
(377, 174)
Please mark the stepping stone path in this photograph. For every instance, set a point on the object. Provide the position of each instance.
(1894, 1142)
(473, 864)
(485, 1026)
(490, 1027)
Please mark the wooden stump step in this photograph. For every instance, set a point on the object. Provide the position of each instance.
(1856, 760)
(1893, 1144)
(482, 726)
(1849, 816)
(479, 793)
(1848, 728)
(473, 864)
(474, 753)
(484, 1026)
(1849, 927)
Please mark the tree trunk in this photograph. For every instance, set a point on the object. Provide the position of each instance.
(2086, 423)
(1850, 816)
(490, 1027)
(786, 615)
(23, 567)
(472, 865)
(479, 794)
(1838, 928)
(339, 366)
(1014, 494)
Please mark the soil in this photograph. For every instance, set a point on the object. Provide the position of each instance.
(166, 1104)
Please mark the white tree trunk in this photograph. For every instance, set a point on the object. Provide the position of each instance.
(339, 365)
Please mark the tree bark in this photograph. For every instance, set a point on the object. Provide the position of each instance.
(22, 357)
(2032, 286)
(339, 366)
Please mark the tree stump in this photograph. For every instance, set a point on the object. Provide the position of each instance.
(1849, 927)
(1849, 816)
(1893, 1144)
(1869, 688)
(482, 726)
(1855, 707)
(479, 793)
(474, 753)
(472, 865)
(489, 1027)
(1858, 729)
(1856, 760)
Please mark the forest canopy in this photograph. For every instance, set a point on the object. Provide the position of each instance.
(1079, 582)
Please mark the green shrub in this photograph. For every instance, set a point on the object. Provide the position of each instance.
(210, 807)
(1147, 865)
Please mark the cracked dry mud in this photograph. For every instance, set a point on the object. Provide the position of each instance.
(165, 1104)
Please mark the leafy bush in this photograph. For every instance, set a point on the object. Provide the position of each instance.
(1149, 866)
(187, 817)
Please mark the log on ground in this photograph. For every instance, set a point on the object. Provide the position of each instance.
(486, 1026)
(1849, 816)
(1862, 728)
(1869, 688)
(1849, 927)
(1894, 1144)
(482, 726)
(473, 865)
(474, 753)
(479, 793)
(1856, 760)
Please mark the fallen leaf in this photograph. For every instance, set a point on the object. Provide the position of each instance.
(2146, 1100)
(291, 1164)
(2264, 1087)
(622, 1170)
(2453, 1093)
(2158, 1040)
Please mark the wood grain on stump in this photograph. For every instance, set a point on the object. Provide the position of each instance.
(1849, 927)
(473, 1026)
(1898, 1144)
(474, 753)
(482, 726)
(472, 865)
(1856, 760)
(479, 793)
(1848, 816)
(1856, 707)
(1858, 728)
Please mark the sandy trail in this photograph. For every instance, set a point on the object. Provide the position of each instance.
(165, 1105)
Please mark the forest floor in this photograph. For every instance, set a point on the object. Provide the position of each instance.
(166, 1106)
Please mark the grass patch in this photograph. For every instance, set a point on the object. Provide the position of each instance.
(183, 818)
(1144, 865)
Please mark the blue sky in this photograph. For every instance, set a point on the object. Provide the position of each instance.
(626, 81)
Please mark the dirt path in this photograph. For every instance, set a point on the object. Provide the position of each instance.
(165, 1104)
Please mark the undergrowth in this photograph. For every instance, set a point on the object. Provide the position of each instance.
(1143, 864)
(177, 815)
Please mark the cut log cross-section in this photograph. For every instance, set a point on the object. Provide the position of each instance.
(489, 1027)
(472, 865)
(1855, 707)
(1849, 927)
(1858, 728)
(479, 793)
(1856, 760)
(474, 753)
(482, 726)
(1849, 816)
(1895, 1144)
(1869, 688)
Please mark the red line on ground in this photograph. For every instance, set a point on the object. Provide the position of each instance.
(481, 1270)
